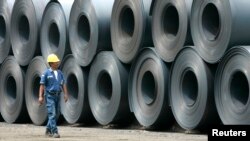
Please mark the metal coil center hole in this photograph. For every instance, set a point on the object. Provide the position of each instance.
(239, 89)
(72, 86)
(2, 29)
(24, 28)
(11, 88)
(127, 22)
(189, 88)
(54, 36)
(148, 88)
(105, 87)
(83, 28)
(170, 23)
(211, 22)
(35, 86)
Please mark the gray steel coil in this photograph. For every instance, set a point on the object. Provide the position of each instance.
(130, 28)
(37, 113)
(148, 90)
(191, 91)
(89, 29)
(232, 87)
(219, 25)
(6, 7)
(54, 30)
(76, 109)
(107, 89)
(171, 27)
(12, 99)
(25, 29)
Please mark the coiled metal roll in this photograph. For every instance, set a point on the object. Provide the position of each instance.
(107, 89)
(76, 109)
(191, 91)
(171, 27)
(37, 113)
(148, 90)
(5, 16)
(25, 29)
(89, 29)
(219, 25)
(12, 103)
(54, 29)
(232, 87)
(130, 28)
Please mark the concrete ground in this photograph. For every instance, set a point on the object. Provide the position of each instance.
(30, 132)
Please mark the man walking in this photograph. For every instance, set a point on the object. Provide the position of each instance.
(51, 85)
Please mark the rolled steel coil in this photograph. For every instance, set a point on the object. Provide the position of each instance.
(171, 27)
(219, 25)
(76, 109)
(232, 87)
(25, 29)
(130, 28)
(37, 113)
(89, 29)
(54, 30)
(191, 91)
(12, 102)
(5, 16)
(148, 90)
(107, 89)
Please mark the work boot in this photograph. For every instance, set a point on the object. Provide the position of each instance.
(48, 133)
(56, 135)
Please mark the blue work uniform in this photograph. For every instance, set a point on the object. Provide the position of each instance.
(53, 88)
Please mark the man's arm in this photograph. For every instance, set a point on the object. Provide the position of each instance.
(65, 91)
(41, 94)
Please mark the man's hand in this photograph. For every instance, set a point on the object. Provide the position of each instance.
(66, 97)
(40, 100)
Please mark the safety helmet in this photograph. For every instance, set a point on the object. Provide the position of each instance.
(52, 58)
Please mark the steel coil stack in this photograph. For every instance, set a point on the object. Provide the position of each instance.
(89, 29)
(148, 90)
(26, 22)
(37, 113)
(107, 89)
(5, 16)
(130, 28)
(153, 61)
(54, 28)
(219, 25)
(191, 91)
(12, 99)
(77, 107)
(232, 87)
(171, 27)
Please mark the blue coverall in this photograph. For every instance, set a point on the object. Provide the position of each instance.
(53, 88)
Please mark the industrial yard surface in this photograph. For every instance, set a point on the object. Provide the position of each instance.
(30, 132)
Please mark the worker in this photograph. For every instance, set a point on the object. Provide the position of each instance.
(52, 83)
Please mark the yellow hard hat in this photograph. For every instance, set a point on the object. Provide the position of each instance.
(52, 58)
